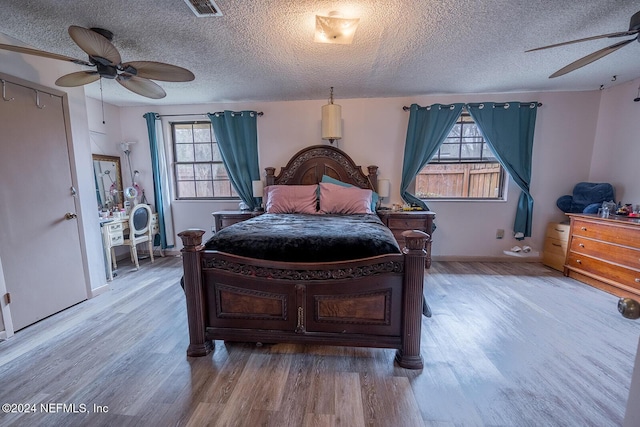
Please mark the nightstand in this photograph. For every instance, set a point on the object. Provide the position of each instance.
(409, 220)
(222, 219)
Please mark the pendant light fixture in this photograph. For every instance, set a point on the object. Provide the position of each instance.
(331, 120)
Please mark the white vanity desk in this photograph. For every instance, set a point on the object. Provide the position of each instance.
(113, 231)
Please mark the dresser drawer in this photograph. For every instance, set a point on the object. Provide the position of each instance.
(627, 277)
(117, 239)
(558, 231)
(112, 228)
(407, 224)
(617, 254)
(555, 246)
(621, 234)
(554, 253)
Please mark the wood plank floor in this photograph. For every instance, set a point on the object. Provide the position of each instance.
(509, 344)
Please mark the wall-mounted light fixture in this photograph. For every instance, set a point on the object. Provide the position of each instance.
(335, 29)
(331, 120)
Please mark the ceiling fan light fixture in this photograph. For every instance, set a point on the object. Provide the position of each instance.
(335, 29)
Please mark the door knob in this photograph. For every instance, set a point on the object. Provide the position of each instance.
(70, 215)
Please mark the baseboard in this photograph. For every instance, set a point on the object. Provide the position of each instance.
(504, 258)
(99, 290)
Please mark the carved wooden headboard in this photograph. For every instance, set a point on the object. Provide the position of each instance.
(309, 165)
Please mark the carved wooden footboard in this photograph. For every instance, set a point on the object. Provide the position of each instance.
(371, 302)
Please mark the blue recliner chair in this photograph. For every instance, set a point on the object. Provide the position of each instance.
(587, 197)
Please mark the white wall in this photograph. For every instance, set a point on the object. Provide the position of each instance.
(374, 133)
(616, 156)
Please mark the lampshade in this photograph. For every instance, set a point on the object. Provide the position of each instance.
(331, 120)
(384, 187)
(258, 188)
(335, 29)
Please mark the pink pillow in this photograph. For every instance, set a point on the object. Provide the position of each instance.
(291, 199)
(344, 200)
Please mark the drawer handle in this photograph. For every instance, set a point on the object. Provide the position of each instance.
(581, 245)
(583, 228)
(557, 244)
(637, 279)
(578, 261)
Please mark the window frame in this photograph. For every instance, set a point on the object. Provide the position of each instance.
(213, 163)
(466, 119)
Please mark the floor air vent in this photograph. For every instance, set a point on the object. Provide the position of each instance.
(204, 7)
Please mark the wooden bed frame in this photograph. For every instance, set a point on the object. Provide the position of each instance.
(370, 302)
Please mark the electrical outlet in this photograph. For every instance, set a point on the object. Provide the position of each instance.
(499, 233)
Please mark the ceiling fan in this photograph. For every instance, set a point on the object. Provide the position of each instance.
(103, 55)
(634, 28)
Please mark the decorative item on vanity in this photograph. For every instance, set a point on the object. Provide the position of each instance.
(258, 193)
(131, 193)
(331, 120)
(335, 29)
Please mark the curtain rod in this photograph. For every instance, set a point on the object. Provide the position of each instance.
(539, 104)
(198, 114)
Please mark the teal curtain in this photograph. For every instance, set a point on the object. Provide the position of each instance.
(160, 180)
(508, 129)
(237, 138)
(428, 127)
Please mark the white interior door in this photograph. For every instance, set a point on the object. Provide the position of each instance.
(39, 247)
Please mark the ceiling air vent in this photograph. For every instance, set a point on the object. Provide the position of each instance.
(203, 7)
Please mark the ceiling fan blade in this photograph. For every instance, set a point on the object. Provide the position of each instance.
(43, 54)
(160, 71)
(78, 79)
(590, 58)
(94, 44)
(141, 86)
(603, 36)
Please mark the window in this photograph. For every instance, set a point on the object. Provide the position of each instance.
(463, 168)
(198, 169)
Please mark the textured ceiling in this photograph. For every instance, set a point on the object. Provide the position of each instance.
(263, 50)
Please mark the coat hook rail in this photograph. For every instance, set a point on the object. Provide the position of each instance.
(40, 106)
(4, 91)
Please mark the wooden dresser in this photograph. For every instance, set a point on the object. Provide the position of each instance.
(605, 253)
(409, 220)
(556, 241)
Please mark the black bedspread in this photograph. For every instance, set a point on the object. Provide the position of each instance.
(306, 238)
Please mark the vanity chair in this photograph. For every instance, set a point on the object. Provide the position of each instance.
(140, 231)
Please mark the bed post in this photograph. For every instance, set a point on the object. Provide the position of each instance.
(414, 257)
(192, 242)
(270, 177)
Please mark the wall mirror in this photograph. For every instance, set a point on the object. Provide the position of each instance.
(108, 178)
